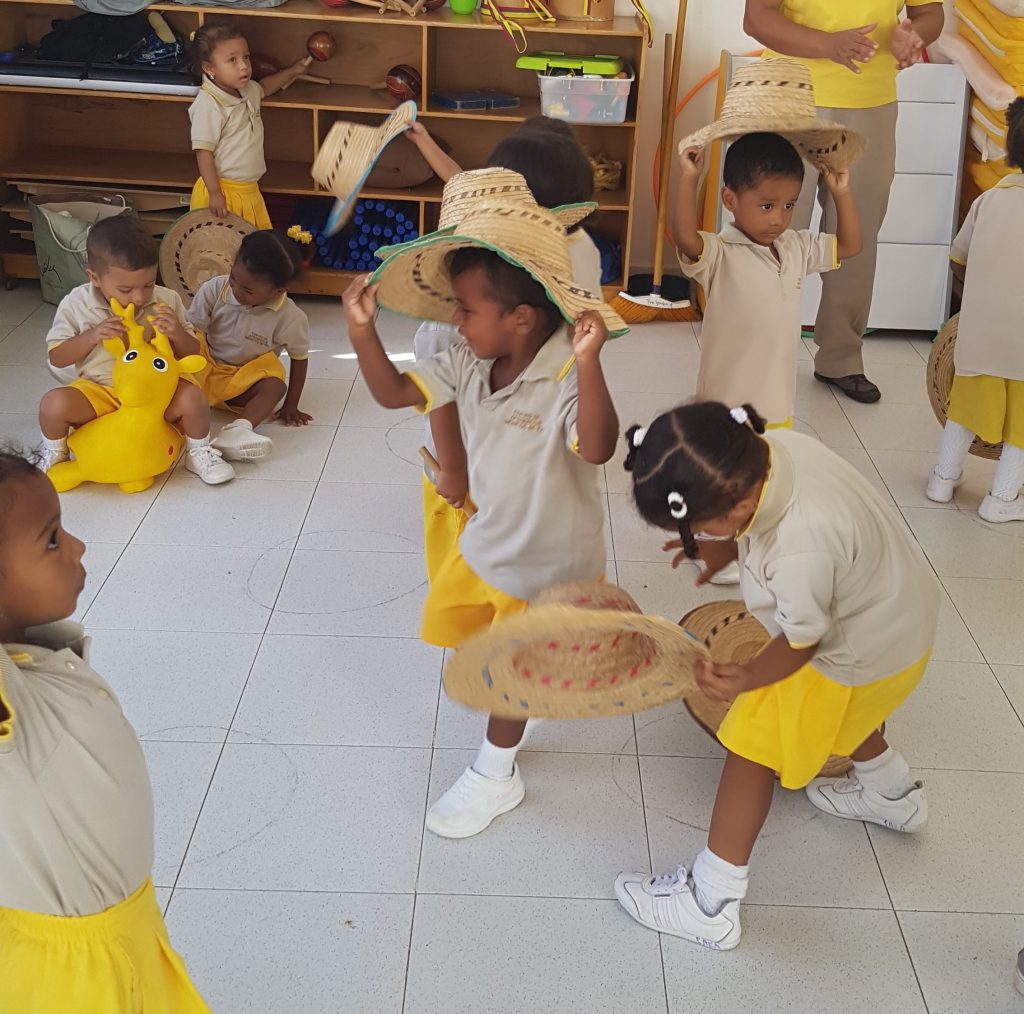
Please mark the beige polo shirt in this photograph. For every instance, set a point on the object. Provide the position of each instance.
(84, 307)
(77, 830)
(825, 561)
(232, 128)
(988, 340)
(752, 319)
(237, 334)
(540, 515)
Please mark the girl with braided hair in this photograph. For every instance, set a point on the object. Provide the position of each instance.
(852, 605)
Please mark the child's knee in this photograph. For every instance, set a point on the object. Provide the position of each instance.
(65, 405)
(188, 402)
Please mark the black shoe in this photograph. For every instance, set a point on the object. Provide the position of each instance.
(857, 387)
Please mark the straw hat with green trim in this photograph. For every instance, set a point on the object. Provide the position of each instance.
(940, 372)
(414, 278)
(582, 650)
(466, 189)
(199, 246)
(731, 634)
(776, 96)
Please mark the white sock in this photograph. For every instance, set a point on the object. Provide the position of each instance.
(953, 450)
(497, 762)
(716, 881)
(194, 443)
(59, 445)
(238, 422)
(888, 774)
(1009, 475)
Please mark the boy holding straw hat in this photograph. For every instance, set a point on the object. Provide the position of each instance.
(538, 423)
(853, 49)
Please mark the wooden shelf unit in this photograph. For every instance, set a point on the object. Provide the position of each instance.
(139, 140)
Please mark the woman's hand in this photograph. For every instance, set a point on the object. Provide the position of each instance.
(722, 682)
(851, 47)
(907, 46)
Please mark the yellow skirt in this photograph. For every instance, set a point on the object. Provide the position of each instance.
(990, 407)
(222, 381)
(795, 725)
(115, 962)
(442, 526)
(243, 200)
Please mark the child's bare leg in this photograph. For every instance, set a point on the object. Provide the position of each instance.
(874, 746)
(741, 807)
(258, 403)
(189, 412)
(62, 409)
(505, 732)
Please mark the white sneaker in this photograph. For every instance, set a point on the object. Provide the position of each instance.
(941, 490)
(997, 511)
(666, 904)
(729, 574)
(239, 442)
(50, 456)
(470, 805)
(206, 462)
(847, 798)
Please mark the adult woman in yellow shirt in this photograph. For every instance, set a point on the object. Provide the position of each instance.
(854, 51)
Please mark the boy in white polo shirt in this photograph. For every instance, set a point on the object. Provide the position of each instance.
(246, 321)
(537, 420)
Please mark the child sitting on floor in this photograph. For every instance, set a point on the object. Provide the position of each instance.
(987, 399)
(852, 604)
(538, 423)
(79, 922)
(247, 321)
(122, 265)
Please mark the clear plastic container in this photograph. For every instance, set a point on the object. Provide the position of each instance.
(585, 99)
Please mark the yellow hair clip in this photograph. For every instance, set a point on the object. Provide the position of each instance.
(300, 235)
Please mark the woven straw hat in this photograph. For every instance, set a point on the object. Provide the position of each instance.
(777, 97)
(731, 634)
(582, 650)
(199, 246)
(464, 190)
(414, 277)
(940, 383)
(348, 155)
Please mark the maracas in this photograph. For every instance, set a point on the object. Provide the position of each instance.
(404, 82)
(321, 46)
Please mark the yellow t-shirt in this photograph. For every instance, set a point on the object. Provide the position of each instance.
(836, 87)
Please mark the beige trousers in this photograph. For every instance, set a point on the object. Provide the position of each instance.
(846, 293)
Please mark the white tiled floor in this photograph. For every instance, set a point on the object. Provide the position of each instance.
(263, 640)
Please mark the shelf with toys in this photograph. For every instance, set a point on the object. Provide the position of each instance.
(134, 140)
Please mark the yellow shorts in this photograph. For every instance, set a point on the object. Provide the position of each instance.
(103, 400)
(221, 381)
(793, 726)
(242, 199)
(460, 604)
(991, 407)
(442, 526)
(115, 962)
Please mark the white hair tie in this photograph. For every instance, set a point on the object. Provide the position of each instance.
(638, 437)
(740, 415)
(677, 506)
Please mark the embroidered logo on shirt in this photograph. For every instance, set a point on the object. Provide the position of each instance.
(525, 421)
(257, 339)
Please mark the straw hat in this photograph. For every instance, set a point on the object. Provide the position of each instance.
(414, 277)
(464, 190)
(348, 155)
(731, 634)
(777, 97)
(582, 650)
(940, 383)
(199, 246)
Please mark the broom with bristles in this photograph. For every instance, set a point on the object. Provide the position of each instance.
(652, 297)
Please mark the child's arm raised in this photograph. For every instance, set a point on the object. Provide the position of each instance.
(685, 224)
(849, 241)
(444, 165)
(275, 82)
(289, 413)
(597, 425)
(388, 387)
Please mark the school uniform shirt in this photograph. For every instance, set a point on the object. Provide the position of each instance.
(988, 336)
(539, 519)
(752, 319)
(825, 561)
(432, 337)
(237, 334)
(232, 128)
(84, 307)
(76, 835)
(836, 86)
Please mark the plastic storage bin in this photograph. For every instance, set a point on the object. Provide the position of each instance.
(585, 99)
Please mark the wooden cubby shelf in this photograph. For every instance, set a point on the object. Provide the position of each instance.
(133, 141)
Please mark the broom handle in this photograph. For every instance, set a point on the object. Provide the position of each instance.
(668, 119)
